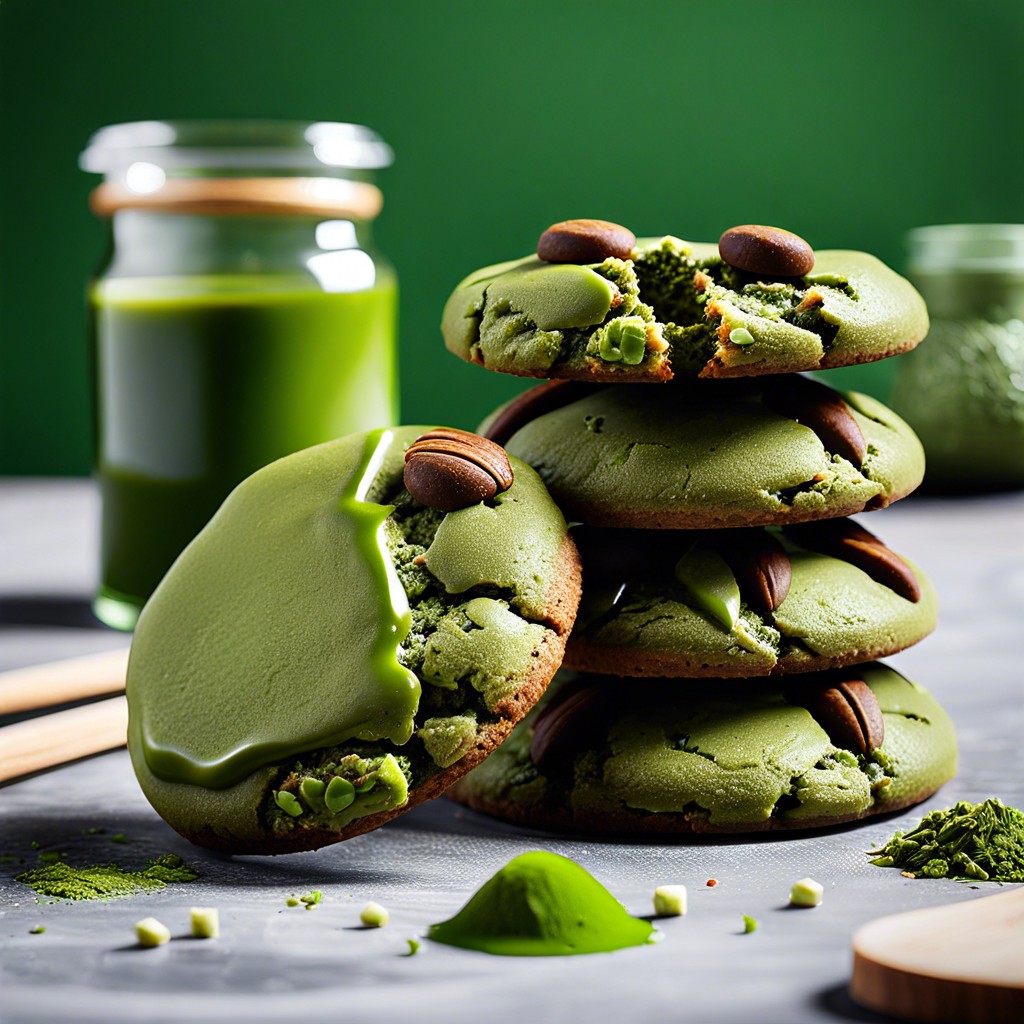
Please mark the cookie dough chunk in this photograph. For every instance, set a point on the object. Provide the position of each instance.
(744, 603)
(711, 454)
(677, 308)
(329, 652)
(674, 761)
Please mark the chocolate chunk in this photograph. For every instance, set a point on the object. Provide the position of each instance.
(761, 567)
(847, 711)
(585, 241)
(535, 402)
(820, 408)
(571, 718)
(449, 469)
(852, 543)
(764, 250)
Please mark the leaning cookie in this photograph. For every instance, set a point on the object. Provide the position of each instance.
(613, 309)
(710, 454)
(744, 603)
(672, 761)
(331, 651)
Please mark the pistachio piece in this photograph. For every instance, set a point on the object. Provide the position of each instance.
(822, 410)
(670, 900)
(624, 340)
(761, 567)
(760, 249)
(806, 893)
(151, 932)
(288, 803)
(848, 711)
(449, 469)
(710, 583)
(339, 794)
(312, 791)
(844, 539)
(585, 241)
(205, 922)
(373, 915)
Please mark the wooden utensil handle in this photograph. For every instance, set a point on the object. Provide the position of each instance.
(50, 740)
(61, 682)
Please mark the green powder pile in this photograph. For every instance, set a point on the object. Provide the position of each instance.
(968, 841)
(105, 881)
(541, 904)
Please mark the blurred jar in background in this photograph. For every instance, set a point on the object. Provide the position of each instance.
(242, 314)
(962, 390)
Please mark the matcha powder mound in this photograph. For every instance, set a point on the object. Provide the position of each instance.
(106, 881)
(982, 841)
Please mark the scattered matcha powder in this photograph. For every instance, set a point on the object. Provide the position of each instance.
(967, 841)
(105, 881)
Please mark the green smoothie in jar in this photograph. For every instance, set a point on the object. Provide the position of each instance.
(239, 319)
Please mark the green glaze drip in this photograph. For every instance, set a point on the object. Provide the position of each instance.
(105, 881)
(968, 841)
(541, 904)
(267, 620)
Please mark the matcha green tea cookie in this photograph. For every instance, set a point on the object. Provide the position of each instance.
(744, 603)
(710, 454)
(331, 649)
(725, 757)
(588, 308)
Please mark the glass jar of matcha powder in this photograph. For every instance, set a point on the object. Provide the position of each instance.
(963, 389)
(242, 314)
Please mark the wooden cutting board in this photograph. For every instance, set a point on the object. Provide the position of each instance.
(960, 963)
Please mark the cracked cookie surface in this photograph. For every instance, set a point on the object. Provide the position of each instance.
(710, 454)
(676, 760)
(329, 652)
(685, 311)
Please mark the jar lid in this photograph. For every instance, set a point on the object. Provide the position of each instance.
(967, 247)
(237, 167)
(224, 147)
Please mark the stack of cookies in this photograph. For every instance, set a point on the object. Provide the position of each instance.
(724, 658)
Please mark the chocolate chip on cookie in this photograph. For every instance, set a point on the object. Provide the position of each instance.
(843, 539)
(823, 410)
(847, 711)
(585, 241)
(761, 567)
(535, 402)
(449, 469)
(766, 250)
(568, 722)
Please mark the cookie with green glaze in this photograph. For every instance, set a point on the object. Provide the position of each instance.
(676, 308)
(727, 757)
(711, 454)
(740, 603)
(329, 652)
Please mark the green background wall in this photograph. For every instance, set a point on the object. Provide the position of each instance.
(846, 122)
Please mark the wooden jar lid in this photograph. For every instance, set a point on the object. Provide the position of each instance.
(318, 197)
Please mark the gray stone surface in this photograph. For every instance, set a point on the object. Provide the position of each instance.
(275, 963)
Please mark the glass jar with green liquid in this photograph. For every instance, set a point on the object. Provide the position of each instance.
(242, 314)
